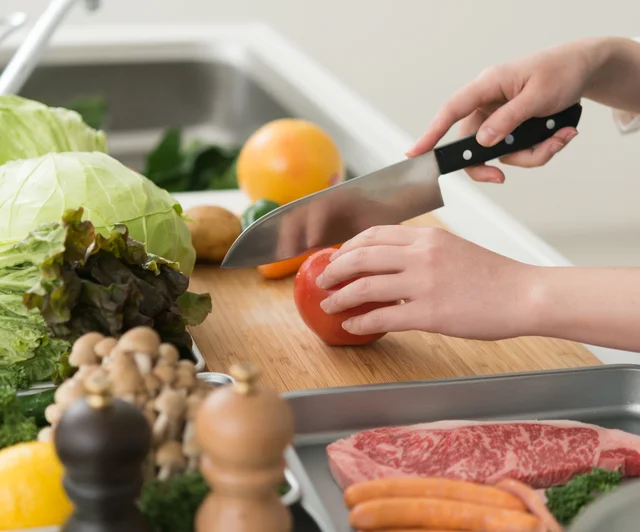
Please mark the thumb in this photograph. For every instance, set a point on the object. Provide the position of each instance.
(507, 117)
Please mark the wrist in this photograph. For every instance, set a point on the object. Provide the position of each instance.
(542, 301)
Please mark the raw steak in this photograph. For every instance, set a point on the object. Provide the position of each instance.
(542, 454)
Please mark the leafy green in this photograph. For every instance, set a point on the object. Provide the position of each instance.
(197, 166)
(27, 353)
(65, 279)
(92, 109)
(172, 506)
(109, 284)
(41, 189)
(15, 426)
(31, 129)
(566, 502)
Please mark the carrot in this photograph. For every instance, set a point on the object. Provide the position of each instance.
(532, 500)
(399, 513)
(434, 488)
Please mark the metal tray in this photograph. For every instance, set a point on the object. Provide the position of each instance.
(608, 396)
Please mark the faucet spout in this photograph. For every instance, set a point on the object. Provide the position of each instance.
(26, 58)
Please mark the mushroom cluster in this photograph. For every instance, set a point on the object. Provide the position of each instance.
(149, 374)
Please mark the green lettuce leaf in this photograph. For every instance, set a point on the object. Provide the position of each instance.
(31, 129)
(41, 189)
(27, 353)
(110, 284)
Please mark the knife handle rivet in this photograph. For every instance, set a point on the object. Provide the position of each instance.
(466, 155)
(551, 123)
(509, 139)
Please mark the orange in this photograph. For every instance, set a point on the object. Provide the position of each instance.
(288, 159)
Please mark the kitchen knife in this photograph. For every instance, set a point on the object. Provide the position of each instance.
(389, 196)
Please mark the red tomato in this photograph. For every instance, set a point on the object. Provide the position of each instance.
(307, 295)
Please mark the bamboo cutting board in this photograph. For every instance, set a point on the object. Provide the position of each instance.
(256, 320)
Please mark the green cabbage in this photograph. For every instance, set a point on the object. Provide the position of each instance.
(31, 129)
(39, 190)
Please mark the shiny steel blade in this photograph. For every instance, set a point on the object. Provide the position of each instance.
(389, 196)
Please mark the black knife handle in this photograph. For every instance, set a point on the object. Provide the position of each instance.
(467, 152)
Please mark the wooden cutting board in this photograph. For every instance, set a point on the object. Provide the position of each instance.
(256, 320)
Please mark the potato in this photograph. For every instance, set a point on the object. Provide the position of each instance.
(213, 230)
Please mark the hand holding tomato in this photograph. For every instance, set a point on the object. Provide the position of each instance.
(449, 285)
(308, 296)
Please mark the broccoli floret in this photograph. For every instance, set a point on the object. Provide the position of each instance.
(565, 502)
(15, 427)
(171, 506)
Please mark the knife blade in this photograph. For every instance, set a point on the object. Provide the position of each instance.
(388, 196)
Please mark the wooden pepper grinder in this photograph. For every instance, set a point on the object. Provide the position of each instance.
(243, 430)
(102, 442)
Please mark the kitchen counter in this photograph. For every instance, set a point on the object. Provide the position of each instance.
(368, 141)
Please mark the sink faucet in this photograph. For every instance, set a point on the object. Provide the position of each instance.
(26, 58)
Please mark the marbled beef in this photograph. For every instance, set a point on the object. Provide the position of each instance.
(542, 454)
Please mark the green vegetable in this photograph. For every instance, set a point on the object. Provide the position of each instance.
(65, 279)
(256, 211)
(27, 353)
(15, 426)
(42, 188)
(110, 285)
(172, 506)
(92, 109)
(34, 404)
(565, 502)
(31, 129)
(198, 166)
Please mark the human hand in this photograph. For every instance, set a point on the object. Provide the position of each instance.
(447, 284)
(503, 97)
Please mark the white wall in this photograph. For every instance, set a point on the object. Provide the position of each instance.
(407, 56)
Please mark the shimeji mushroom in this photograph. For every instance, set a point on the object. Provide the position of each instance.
(103, 348)
(165, 373)
(152, 385)
(169, 459)
(170, 405)
(68, 392)
(143, 343)
(190, 446)
(53, 413)
(82, 352)
(185, 375)
(45, 434)
(125, 378)
(169, 354)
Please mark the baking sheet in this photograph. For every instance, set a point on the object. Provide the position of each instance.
(608, 396)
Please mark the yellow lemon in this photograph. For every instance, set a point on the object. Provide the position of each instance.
(287, 159)
(31, 492)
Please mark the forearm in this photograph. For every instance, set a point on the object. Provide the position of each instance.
(615, 79)
(597, 306)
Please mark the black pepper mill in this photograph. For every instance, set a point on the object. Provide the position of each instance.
(102, 443)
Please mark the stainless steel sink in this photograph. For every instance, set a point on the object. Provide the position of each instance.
(216, 101)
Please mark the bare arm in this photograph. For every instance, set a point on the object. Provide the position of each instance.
(597, 306)
(616, 78)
